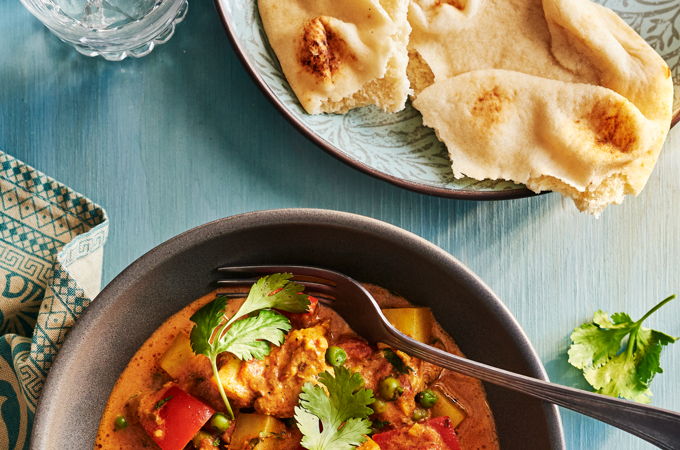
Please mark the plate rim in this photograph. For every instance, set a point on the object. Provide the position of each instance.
(336, 152)
(165, 251)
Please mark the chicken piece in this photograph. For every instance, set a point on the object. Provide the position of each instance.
(366, 360)
(371, 363)
(276, 381)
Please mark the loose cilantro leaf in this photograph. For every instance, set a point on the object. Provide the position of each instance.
(614, 366)
(335, 418)
(250, 336)
(594, 345)
(394, 359)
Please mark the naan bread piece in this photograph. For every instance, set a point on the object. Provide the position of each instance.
(623, 61)
(584, 141)
(341, 54)
(568, 40)
(592, 100)
(451, 37)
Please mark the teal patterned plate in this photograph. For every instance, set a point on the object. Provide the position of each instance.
(397, 147)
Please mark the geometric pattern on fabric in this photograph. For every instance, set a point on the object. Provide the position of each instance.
(44, 228)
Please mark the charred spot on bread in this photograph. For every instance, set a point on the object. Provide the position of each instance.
(489, 105)
(322, 49)
(612, 126)
(458, 4)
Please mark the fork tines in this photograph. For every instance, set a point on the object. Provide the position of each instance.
(318, 287)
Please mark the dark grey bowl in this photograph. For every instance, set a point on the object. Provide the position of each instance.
(176, 272)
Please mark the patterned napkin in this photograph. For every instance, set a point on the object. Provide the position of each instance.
(51, 249)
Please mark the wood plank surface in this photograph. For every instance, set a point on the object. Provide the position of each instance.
(183, 136)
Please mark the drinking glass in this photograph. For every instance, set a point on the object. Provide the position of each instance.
(113, 29)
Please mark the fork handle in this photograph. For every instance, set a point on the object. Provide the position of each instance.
(659, 426)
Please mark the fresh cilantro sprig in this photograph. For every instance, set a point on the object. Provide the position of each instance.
(612, 366)
(250, 336)
(335, 418)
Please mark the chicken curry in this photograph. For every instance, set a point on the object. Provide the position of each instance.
(168, 396)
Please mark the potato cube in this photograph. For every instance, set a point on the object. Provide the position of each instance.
(368, 444)
(257, 429)
(446, 406)
(234, 386)
(413, 322)
(178, 356)
(229, 370)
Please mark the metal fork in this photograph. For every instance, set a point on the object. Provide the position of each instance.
(360, 310)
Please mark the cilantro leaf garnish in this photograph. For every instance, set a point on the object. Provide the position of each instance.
(206, 320)
(250, 336)
(615, 366)
(159, 404)
(335, 418)
(393, 358)
(247, 338)
(277, 292)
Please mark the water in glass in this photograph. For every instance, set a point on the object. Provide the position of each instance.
(104, 14)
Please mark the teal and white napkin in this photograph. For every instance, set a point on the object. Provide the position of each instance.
(51, 249)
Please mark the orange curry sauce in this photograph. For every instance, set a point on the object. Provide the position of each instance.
(272, 387)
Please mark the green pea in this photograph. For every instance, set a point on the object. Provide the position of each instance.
(419, 414)
(389, 388)
(426, 398)
(220, 422)
(335, 356)
(120, 423)
(378, 406)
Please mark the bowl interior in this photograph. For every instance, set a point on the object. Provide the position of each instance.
(175, 273)
(398, 147)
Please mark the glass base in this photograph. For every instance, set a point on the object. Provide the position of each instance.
(136, 38)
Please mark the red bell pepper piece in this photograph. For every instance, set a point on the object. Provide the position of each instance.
(442, 425)
(176, 419)
(383, 439)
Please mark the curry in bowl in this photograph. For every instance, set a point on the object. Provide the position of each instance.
(274, 369)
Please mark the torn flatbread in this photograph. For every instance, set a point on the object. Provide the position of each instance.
(584, 141)
(339, 55)
(582, 62)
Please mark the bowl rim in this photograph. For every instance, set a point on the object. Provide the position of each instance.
(462, 194)
(160, 254)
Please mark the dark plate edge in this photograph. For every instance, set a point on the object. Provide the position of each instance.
(168, 248)
(339, 154)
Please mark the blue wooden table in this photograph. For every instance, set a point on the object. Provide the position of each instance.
(183, 136)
